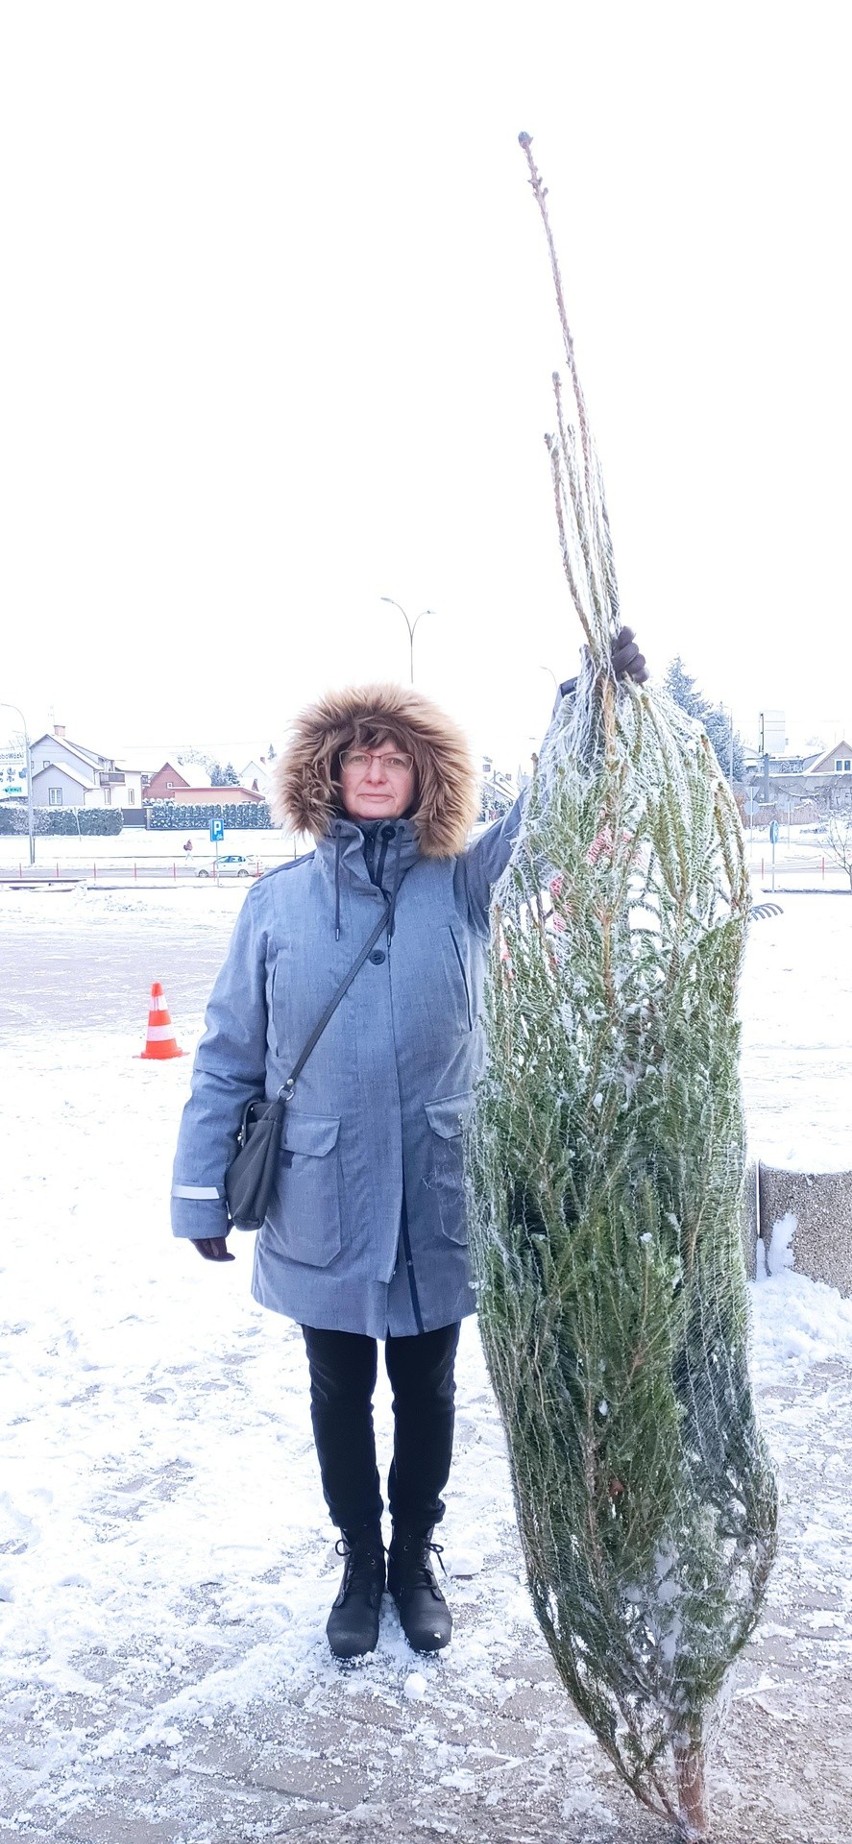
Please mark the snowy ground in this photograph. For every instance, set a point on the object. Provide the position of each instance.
(165, 1562)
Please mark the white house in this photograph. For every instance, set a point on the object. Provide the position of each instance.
(836, 761)
(256, 775)
(57, 784)
(65, 774)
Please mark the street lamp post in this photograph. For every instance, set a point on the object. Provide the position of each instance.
(29, 768)
(411, 626)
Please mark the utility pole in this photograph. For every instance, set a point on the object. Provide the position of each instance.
(764, 757)
(411, 626)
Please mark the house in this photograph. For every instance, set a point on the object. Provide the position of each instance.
(57, 784)
(257, 776)
(170, 783)
(225, 796)
(787, 765)
(797, 786)
(836, 761)
(66, 774)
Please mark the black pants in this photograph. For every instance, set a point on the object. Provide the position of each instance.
(343, 1377)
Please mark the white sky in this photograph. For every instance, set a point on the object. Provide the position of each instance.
(278, 334)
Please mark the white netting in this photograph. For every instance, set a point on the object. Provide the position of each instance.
(606, 1165)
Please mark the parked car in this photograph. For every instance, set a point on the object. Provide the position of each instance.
(228, 864)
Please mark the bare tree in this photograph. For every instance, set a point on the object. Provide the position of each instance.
(837, 801)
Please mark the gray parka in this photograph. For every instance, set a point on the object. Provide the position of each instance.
(366, 1231)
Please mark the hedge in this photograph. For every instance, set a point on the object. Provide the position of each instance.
(247, 815)
(51, 821)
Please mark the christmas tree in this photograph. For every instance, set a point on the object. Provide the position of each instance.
(605, 1165)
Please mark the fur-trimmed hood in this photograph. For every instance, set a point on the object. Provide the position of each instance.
(305, 788)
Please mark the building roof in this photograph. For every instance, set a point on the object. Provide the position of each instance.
(224, 791)
(175, 768)
(85, 755)
(63, 768)
(842, 750)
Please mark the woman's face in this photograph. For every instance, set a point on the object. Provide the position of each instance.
(377, 783)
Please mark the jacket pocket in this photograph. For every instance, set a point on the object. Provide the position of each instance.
(307, 1217)
(447, 1118)
(458, 977)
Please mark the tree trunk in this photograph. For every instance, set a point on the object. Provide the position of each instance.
(692, 1798)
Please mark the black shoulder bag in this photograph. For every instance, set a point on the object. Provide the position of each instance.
(252, 1172)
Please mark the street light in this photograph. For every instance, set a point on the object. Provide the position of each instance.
(29, 768)
(411, 626)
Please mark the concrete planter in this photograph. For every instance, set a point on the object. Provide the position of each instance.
(813, 1212)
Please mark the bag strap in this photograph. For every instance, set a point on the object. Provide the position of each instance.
(288, 1087)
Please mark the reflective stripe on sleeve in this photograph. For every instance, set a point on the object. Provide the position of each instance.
(195, 1191)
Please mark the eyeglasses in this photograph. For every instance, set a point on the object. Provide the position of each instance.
(363, 758)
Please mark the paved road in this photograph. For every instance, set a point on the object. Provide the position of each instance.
(104, 875)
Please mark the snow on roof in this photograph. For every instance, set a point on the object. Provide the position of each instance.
(63, 768)
(86, 755)
(841, 750)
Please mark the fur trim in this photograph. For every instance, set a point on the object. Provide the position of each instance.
(305, 791)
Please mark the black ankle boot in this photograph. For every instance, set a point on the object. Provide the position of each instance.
(425, 1617)
(353, 1624)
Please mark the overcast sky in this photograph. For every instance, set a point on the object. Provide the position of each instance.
(278, 335)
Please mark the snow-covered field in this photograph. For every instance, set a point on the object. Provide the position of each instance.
(166, 1564)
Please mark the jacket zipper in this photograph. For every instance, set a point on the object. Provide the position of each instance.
(409, 1263)
(387, 835)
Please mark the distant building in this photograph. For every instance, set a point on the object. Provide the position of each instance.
(166, 783)
(790, 765)
(66, 774)
(836, 761)
(497, 792)
(257, 775)
(170, 783)
(225, 796)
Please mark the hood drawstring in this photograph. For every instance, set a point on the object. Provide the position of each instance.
(337, 883)
(383, 837)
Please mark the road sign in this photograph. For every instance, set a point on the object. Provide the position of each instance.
(774, 832)
(217, 831)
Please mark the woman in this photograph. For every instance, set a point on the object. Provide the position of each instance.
(365, 1238)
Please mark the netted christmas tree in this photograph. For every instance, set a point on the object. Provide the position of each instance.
(605, 1172)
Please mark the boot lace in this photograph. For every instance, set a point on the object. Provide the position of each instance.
(417, 1567)
(361, 1566)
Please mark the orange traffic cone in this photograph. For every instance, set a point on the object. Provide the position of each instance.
(161, 1038)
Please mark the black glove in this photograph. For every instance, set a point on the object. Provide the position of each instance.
(213, 1248)
(627, 661)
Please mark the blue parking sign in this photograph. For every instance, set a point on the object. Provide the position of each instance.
(217, 831)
